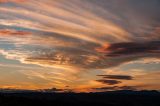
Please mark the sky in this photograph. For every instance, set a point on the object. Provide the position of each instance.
(80, 45)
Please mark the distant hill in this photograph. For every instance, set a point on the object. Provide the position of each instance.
(111, 98)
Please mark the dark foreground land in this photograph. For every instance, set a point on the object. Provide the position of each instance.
(115, 98)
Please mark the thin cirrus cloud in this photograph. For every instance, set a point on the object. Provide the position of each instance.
(75, 36)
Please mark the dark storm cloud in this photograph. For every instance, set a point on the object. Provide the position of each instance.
(120, 77)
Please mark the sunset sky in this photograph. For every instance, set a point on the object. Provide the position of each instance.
(80, 45)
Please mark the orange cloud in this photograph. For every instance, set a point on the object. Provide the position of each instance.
(103, 49)
(13, 32)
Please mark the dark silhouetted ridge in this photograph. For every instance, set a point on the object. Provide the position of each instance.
(110, 98)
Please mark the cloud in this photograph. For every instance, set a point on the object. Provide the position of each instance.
(80, 35)
(82, 58)
(82, 31)
(109, 82)
(106, 88)
(52, 90)
(112, 88)
(113, 79)
(128, 87)
(13, 33)
(120, 77)
(131, 48)
(5, 1)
